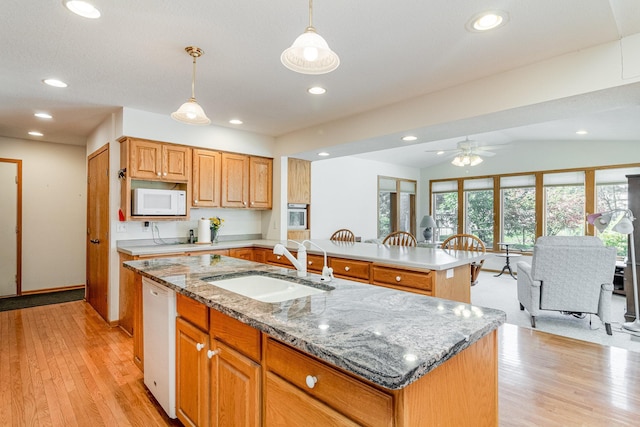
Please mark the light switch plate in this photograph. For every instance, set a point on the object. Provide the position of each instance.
(121, 228)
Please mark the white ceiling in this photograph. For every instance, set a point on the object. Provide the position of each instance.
(133, 56)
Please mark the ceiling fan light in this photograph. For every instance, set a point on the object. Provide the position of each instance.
(191, 113)
(475, 160)
(457, 161)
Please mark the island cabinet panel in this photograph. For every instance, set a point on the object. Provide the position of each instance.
(463, 391)
(192, 374)
(238, 335)
(193, 311)
(236, 388)
(403, 279)
(235, 180)
(317, 389)
(206, 178)
(351, 269)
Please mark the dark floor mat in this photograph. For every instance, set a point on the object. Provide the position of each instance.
(26, 301)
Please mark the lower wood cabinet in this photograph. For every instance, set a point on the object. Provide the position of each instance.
(192, 374)
(242, 253)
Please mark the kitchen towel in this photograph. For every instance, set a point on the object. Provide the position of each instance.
(204, 231)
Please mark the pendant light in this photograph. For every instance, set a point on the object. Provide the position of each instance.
(310, 53)
(191, 112)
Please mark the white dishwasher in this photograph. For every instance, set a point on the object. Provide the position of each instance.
(159, 325)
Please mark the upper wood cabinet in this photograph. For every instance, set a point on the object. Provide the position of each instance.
(151, 160)
(299, 182)
(206, 178)
(247, 182)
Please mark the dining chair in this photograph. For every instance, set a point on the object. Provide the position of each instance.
(343, 235)
(467, 242)
(400, 238)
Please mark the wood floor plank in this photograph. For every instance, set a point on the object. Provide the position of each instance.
(62, 365)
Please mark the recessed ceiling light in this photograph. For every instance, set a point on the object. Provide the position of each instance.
(35, 133)
(82, 8)
(323, 154)
(409, 138)
(440, 153)
(486, 21)
(55, 83)
(582, 132)
(235, 121)
(317, 90)
(43, 115)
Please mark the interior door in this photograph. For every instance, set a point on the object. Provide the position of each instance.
(10, 226)
(97, 286)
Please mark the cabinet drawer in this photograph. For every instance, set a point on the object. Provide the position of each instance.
(279, 260)
(406, 278)
(315, 263)
(236, 334)
(242, 253)
(361, 402)
(350, 268)
(193, 311)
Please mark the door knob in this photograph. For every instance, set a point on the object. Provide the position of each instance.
(95, 241)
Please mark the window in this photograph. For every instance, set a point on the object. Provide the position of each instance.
(564, 199)
(445, 209)
(396, 205)
(612, 193)
(518, 201)
(478, 218)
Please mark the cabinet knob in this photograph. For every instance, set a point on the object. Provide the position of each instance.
(347, 268)
(398, 278)
(195, 201)
(199, 346)
(278, 257)
(212, 353)
(244, 203)
(251, 203)
(310, 262)
(158, 174)
(311, 381)
(165, 174)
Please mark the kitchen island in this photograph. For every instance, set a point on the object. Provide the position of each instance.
(406, 359)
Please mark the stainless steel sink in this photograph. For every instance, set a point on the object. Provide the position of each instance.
(265, 288)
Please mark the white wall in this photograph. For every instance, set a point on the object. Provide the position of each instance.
(344, 195)
(54, 203)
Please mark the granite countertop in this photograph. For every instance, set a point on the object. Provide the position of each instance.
(388, 337)
(414, 257)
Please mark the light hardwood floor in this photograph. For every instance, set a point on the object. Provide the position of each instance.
(61, 365)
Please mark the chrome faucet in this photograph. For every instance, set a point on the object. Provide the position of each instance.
(301, 263)
(327, 272)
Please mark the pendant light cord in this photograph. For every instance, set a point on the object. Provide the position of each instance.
(193, 79)
(310, 13)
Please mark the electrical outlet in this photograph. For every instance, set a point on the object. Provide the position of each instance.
(121, 228)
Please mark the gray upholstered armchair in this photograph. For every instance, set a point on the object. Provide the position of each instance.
(570, 274)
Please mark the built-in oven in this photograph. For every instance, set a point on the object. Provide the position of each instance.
(297, 216)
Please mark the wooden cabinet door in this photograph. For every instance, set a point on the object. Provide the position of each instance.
(192, 374)
(260, 182)
(299, 181)
(242, 253)
(145, 159)
(235, 180)
(235, 389)
(176, 162)
(206, 178)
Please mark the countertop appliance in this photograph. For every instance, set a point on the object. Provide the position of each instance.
(159, 320)
(152, 201)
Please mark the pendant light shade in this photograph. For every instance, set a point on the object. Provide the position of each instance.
(310, 53)
(191, 112)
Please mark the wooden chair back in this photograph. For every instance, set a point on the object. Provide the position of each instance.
(400, 238)
(470, 243)
(343, 235)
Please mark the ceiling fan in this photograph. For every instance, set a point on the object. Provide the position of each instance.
(467, 153)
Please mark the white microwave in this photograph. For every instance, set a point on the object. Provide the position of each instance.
(155, 202)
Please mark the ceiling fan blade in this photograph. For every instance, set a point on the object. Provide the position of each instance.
(484, 153)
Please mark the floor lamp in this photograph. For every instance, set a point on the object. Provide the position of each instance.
(624, 225)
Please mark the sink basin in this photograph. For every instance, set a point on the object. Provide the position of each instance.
(265, 288)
